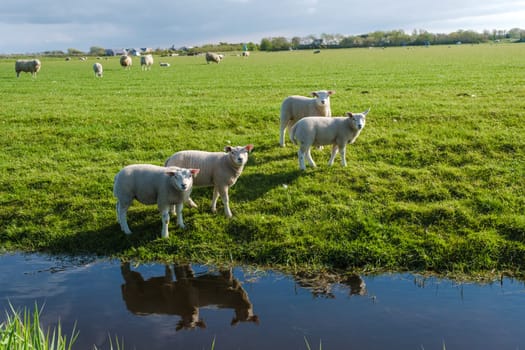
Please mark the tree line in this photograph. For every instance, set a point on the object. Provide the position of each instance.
(374, 39)
(390, 38)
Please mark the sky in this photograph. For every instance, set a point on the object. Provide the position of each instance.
(30, 26)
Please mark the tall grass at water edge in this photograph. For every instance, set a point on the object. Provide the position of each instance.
(434, 182)
(23, 330)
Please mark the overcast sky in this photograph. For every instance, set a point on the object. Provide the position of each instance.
(42, 25)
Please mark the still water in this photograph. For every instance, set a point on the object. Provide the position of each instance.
(154, 306)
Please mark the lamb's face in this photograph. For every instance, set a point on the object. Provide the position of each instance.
(322, 97)
(181, 178)
(358, 119)
(239, 154)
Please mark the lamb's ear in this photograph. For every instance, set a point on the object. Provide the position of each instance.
(194, 172)
(331, 92)
(170, 172)
(227, 149)
(366, 112)
(349, 114)
(314, 94)
(249, 147)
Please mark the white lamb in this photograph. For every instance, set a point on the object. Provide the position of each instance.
(213, 57)
(29, 66)
(149, 184)
(146, 62)
(336, 131)
(295, 108)
(126, 61)
(97, 68)
(217, 169)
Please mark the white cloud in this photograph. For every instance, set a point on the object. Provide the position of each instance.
(36, 25)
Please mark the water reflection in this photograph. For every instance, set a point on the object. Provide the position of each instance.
(103, 297)
(322, 285)
(186, 295)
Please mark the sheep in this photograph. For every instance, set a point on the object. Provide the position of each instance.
(220, 170)
(126, 61)
(169, 187)
(97, 68)
(29, 66)
(246, 53)
(213, 57)
(146, 62)
(336, 131)
(294, 108)
(164, 64)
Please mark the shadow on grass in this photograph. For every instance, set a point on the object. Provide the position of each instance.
(108, 240)
(255, 185)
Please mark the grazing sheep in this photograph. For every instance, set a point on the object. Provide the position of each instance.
(126, 61)
(97, 68)
(246, 53)
(164, 64)
(149, 184)
(213, 57)
(146, 62)
(294, 108)
(28, 66)
(220, 170)
(336, 131)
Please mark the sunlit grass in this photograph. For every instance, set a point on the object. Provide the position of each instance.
(434, 182)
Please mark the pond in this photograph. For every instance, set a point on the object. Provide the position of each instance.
(153, 306)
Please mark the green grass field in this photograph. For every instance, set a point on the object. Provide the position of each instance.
(435, 182)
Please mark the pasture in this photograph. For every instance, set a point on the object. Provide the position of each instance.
(435, 182)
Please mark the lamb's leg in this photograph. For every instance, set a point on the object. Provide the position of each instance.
(165, 214)
(180, 222)
(281, 134)
(300, 154)
(343, 155)
(225, 201)
(191, 203)
(214, 200)
(335, 148)
(122, 210)
(309, 157)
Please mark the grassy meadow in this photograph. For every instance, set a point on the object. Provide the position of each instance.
(435, 182)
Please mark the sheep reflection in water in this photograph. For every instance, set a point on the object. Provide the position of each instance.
(322, 284)
(185, 296)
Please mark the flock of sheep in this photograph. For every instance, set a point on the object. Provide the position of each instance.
(309, 122)
(146, 61)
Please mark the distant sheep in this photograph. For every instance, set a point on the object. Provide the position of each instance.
(146, 62)
(126, 61)
(217, 169)
(213, 57)
(149, 184)
(246, 53)
(28, 66)
(294, 108)
(317, 131)
(97, 68)
(164, 64)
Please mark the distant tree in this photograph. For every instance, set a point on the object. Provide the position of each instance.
(296, 42)
(74, 52)
(515, 33)
(280, 43)
(251, 46)
(266, 45)
(97, 51)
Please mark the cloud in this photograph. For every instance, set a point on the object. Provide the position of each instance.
(36, 25)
